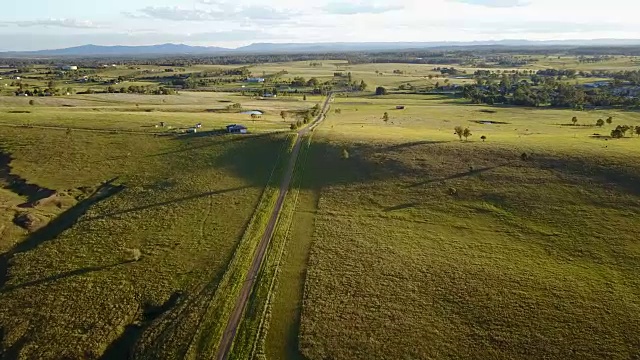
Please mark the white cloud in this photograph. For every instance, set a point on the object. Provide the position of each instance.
(359, 7)
(65, 23)
(496, 3)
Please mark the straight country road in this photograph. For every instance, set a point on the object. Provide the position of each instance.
(241, 303)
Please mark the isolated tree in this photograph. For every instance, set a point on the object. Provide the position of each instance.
(283, 115)
(381, 91)
(459, 130)
(363, 85)
(609, 120)
(483, 138)
(32, 102)
(617, 134)
(304, 97)
(466, 133)
(385, 117)
(338, 111)
(638, 130)
(574, 120)
(600, 123)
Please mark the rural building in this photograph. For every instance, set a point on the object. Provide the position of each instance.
(255, 80)
(236, 129)
(192, 131)
(69, 67)
(400, 107)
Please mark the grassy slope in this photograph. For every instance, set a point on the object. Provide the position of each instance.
(180, 193)
(530, 260)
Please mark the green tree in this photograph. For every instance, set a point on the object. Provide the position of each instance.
(32, 102)
(459, 130)
(638, 130)
(283, 115)
(381, 91)
(483, 138)
(363, 85)
(609, 120)
(345, 154)
(466, 133)
(304, 97)
(385, 117)
(574, 120)
(617, 134)
(600, 123)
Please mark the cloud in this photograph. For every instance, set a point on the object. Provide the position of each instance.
(65, 23)
(360, 7)
(224, 12)
(495, 3)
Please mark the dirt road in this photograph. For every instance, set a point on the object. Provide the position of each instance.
(241, 303)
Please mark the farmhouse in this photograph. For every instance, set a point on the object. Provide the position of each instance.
(69, 67)
(236, 129)
(255, 80)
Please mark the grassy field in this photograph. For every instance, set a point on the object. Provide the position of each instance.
(398, 240)
(137, 236)
(428, 247)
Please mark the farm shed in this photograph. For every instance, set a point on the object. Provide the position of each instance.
(400, 107)
(236, 129)
(255, 80)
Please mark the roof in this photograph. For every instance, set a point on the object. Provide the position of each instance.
(235, 127)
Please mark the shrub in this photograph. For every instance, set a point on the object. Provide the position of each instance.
(345, 154)
(617, 134)
(453, 191)
(381, 91)
(525, 156)
(459, 130)
(600, 123)
(466, 133)
(483, 138)
(32, 102)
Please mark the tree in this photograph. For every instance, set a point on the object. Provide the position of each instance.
(385, 117)
(32, 102)
(459, 130)
(381, 91)
(600, 123)
(609, 120)
(466, 133)
(617, 134)
(283, 115)
(574, 120)
(638, 130)
(304, 97)
(483, 138)
(363, 85)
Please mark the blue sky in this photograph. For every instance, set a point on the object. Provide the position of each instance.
(40, 24)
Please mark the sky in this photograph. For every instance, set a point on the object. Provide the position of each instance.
(51, 24)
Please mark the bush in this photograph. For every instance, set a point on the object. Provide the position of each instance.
(525, 156)
(345, 154)
(381, 91)
(617, 134)
(32, 102)
(453, 191)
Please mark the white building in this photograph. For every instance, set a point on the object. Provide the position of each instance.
(69, 67)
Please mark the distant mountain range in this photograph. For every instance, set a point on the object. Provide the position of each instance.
(178, 49)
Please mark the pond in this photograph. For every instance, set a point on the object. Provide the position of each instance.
(252, 112)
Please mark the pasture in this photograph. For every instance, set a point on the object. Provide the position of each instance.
(138, 225)
(425, 246)
(398, 239)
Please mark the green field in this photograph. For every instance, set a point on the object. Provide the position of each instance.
(397, 240)
(528, 259)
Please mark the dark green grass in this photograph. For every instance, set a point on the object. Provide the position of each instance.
(75, 291)
(530, 259)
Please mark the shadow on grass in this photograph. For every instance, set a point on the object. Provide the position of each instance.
(124, 346)
(607, 174)
(64, 275)
(18, 185)
(61, 223)
(164, 203)
(457, 176)
(13, 351)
